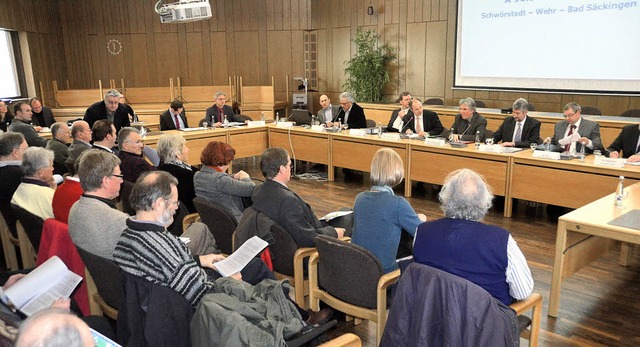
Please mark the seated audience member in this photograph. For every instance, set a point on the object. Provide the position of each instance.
(42, 115)
(104, 136)
(132, 163)
(628, 141)
(174, 155)
(216, 113)
(174, 118)
(12, 147)
(59, 144)
(6, 117)
(468, 121)
(147, 250)
(214, 184)
(397, 120)
(589, 131)
(350, 113)
(94, 222)
(66, 195)
(110, 109)
(283, 206)
(35, 193)
(328, 111)
(55, 328)
(81, 134)
(21, 124)
(422, 122)
(380, 216)
(484, 254)
(518, 130)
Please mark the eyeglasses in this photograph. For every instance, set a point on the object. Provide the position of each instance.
(569, 115)
(173, 203)
(119, 176)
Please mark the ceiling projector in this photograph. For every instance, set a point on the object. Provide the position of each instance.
(183, 11)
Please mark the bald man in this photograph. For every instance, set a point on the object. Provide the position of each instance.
(54, 328)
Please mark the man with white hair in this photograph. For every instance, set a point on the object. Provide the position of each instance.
(462, 245)
(110, 109)
(55, 328)
(350, 113)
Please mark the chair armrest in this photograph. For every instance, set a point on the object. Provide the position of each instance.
(345, 239)
(389, 279)
(345, 340)
(521, 306)
(190, 219)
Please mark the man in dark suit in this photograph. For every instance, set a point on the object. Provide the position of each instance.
(59, 144)
(283, 206)
(110, 109)
(518, 130)
(589, 131)
(81, 134)
(397, 121)
(328, 111)
(130, 146)
(174, 118)
(468, 121)
(422, 122)
(216, 113)
(104, 136)
(629, 142)
(350, 113)
(22, 124)
(42, 115)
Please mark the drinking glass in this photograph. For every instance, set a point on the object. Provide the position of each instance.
(597, 152)
(205, 125)
(533, 146)
(489, 141)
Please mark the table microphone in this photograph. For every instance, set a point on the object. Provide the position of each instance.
(407, 123)
(465, 130)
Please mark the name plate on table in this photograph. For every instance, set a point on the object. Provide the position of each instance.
(357, 132)
(255, 123)
(490, 148)
(546, 155)
(391, 136)
(434, 142)
(284, 124)
(317, 127)
(604, 161)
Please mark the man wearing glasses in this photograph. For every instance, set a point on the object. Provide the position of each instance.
(133, 163)
(468, 121)
(573, 123)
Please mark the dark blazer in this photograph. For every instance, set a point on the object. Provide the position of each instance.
(212, 114)
(186, 190)
(46, 115)
(98, 111)
(356, 118)
(394, 116)
(30, 134)
(75, 149)
(588, 129)
(167, 122)
(430, 123)
(469, 127)
(627, 141)
(290, 212)
(61, 154)
(6, 122)
(133, 165)
(530, 132)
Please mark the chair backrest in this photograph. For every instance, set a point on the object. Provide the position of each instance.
(446, 310)
(105, 274)
(590, 110)
(125, 194)
(152, 314)
(480, 104)
(348, 272)
(177, 228)
(202, 121)
(31, 223)
(532, 107)
(282, 250)
(371, 123)
(631, 113)
(243, 117)
(434, 101)
(219, 220)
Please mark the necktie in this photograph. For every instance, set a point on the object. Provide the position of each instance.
(220, 115)
(177, 121)
(638, 149)
(568, 145)
(518, 136)
(418, 124)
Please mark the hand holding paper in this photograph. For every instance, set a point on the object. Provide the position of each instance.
(570, 139)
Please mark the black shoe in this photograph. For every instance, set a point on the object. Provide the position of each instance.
(320, 317)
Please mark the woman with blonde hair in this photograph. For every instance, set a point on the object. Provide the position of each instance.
(380, 215)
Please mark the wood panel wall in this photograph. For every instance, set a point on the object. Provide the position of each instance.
(422, 32)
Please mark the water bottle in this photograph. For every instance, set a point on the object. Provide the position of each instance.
(477, 142)
(225, 121)
(263, 118)
(379, 129)
(313, 120)
(277, 117)
(451, 135)
(582, 154)
(620, 193)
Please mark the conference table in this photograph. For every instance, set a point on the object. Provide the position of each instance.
(585, 234)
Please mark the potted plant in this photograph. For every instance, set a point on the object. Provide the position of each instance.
(367, 71)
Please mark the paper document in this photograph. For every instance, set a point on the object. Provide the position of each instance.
(331, 215)
(42, 286)
(569, 139)
(241, 257)
(192, 129)
(636, 163)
